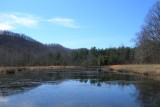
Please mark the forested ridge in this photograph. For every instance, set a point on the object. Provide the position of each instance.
(21, 50)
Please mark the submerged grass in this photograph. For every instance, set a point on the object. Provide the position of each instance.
(150, 70)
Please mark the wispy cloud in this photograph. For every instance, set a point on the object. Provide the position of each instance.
(5, 26)
(23, 20)
(65, 22)
(10, 21)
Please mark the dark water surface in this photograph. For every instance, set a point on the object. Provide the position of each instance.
(77, 89)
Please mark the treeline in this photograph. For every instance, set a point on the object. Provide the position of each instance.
(20, 50)
(100, 57)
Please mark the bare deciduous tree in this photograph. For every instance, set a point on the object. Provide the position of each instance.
(148, 39)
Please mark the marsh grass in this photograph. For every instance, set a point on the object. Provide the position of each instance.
(151, 70)
(9, 70)
(12, 69)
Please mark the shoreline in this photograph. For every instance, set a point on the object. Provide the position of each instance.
(149, 70)
(4, 70)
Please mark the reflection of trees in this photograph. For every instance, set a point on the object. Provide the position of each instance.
(148, 93)
(83, 80)
(105, 78)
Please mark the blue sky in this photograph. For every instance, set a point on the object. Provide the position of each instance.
(76, 23)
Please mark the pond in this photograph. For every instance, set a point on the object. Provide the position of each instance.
(77, 89)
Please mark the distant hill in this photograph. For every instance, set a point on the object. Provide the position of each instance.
(22, 42)
(18, 49)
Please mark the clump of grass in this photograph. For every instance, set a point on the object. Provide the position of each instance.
(21, 69)
(10, 71)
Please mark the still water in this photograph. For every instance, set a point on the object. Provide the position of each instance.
(77, 89)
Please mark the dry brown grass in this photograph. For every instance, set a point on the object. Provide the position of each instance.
(151, 70)
(4, 69)
(11, 69)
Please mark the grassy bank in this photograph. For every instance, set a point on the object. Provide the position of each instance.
(150, 70)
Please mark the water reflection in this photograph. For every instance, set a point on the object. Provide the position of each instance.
(78, 88)
(148, 93)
